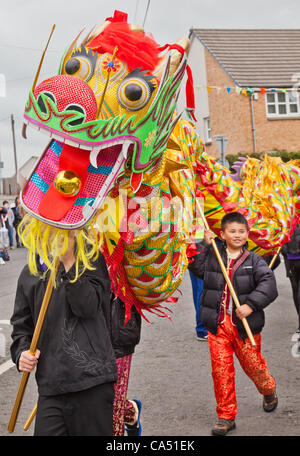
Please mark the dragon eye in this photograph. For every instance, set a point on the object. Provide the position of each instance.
(80, 110)
(72, 66)
(81, 63)
(134, 93)
(41, 102)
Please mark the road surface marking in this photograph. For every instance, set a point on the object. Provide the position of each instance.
(6, 366)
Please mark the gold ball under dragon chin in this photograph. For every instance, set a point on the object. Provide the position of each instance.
(110, 165)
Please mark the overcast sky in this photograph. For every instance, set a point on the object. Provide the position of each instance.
(25, 26)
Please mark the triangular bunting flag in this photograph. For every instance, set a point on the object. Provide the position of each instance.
(238, 90)
(208, 88)
(262, 90)
(228, 89)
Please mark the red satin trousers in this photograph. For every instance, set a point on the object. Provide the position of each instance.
(222, 346)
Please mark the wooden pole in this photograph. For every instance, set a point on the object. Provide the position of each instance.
(275, 257)
(227, 279)
(32, 350)
(42, 59)
(30, 418)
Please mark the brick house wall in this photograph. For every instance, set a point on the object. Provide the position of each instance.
(230, 114)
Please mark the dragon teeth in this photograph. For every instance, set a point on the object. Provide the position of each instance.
(94, 153)
(24, 128)
(125, 148)
(93, 156)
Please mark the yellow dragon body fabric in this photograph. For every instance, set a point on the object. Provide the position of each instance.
(123, 173)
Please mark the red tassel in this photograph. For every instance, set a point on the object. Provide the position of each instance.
(191, 250)
(198, 192)
(172, 299)
(135, 181)
(190, 94)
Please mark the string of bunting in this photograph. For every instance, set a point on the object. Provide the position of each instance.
(247, 90)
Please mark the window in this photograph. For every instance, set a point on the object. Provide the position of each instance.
(207, 129)
(282, 104)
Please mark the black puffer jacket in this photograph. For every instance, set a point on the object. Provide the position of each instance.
(252, 279)
(124, 337)
(293, 247)
(75, 345)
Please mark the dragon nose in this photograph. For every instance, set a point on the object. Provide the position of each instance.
(68, 93)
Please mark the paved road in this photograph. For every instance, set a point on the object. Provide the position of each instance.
(171, 370)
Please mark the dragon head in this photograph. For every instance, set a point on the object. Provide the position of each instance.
(110, 110)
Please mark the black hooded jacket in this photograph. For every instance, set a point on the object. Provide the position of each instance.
(253, 281)
(124, 337)
(75, 344)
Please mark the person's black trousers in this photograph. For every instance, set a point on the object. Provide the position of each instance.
(295, 282)
(84, 413)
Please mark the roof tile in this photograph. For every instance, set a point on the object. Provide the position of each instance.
(255, 57)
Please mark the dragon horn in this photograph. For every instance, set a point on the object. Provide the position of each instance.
(95, 32)
(88, 37)
(176, 57)
(68, 52)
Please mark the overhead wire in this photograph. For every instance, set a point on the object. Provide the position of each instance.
(146, 13)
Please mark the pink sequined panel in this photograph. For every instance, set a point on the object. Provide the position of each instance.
(40, 180)
(46, 172)
(32, 196)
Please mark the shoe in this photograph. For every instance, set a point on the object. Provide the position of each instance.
(223, 426)
(12, 247)
(135, 430)
(270, 402)
(2, 261)
(201, 338)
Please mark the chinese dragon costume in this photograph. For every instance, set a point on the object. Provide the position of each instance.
(123, 171)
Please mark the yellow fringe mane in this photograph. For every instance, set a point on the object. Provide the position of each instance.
(51, 243)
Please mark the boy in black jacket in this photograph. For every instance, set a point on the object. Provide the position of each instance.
(255, 286)
(76, 366)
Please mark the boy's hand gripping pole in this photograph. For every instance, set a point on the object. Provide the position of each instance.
(228, 281)
(32, 349)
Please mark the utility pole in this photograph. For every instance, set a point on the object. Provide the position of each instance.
(221, 143)
(252, 122)
(15, 153)
(1, 178)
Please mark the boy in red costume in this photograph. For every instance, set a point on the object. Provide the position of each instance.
(255, 286)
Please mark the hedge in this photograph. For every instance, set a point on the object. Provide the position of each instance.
(284, 154)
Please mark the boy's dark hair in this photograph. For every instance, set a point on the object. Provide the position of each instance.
(5, 202)
(233, 217)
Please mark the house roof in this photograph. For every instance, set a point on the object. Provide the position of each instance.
(27, 167)
(255, 58)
